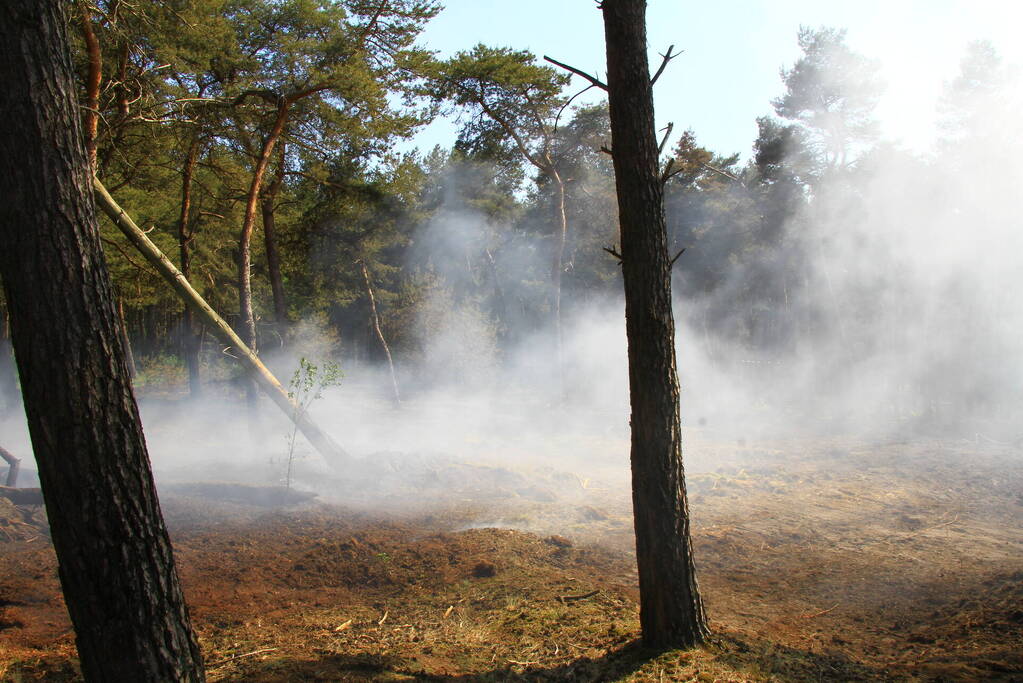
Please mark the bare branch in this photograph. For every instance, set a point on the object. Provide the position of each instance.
(595, 81)
(372, 23)
(515, 136)
(722, 172)
(128, 258)
(680, 252)
(667, 174)
(667, 57)
(614, 252)
(565, 106)
(667, 131)
(606, 150)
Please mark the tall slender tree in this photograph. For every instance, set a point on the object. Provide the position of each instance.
(318, 68)
(671, 611)
(114, 555)
(831, 92)
(512, 98)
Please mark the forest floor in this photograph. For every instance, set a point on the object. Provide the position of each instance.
(822, 560)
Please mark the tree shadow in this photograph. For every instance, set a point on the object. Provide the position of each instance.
(789, 665)
(756, 658)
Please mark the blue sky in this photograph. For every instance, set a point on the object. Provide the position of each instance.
(734, 49)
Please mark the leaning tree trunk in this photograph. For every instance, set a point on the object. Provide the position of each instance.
(671, 611)
(114, 556)
(205, 313)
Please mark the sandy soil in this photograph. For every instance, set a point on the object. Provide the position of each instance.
(819, 559)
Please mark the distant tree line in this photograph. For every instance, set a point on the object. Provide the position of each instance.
(258, 140)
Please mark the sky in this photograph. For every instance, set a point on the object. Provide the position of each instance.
(734, 49)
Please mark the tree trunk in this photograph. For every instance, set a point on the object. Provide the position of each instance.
(14, 465)
(22, 496)
(8, 375)
(379, 332)
(671, 611)
(248, 320)
(500, 304)
(273, 261)
(189, 335)
(247, 317)
(114, 556)
(94, 76)
(129, 357)
(556, 271)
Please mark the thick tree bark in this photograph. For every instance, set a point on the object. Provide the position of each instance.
(273, 261)
(375, 318)
(114, 556)
(189, 335)
(671, 611)
(8, 375)
(129, 357)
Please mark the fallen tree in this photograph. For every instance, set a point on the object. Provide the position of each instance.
(15, 465)
(22, 496)
(332, 453)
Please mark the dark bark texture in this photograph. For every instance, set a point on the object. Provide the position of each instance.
(114, 556)
(671, 611)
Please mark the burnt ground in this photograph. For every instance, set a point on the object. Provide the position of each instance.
(819, 560)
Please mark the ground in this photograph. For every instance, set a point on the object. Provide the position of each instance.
(824, 560)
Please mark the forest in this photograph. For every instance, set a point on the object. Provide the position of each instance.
(474, 468)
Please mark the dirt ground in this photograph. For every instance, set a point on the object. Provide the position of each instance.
(819, 560)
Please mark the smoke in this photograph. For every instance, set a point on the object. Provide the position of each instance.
(886, 303)
(883, 303)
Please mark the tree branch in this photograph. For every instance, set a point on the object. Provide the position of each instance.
(519, 142)
(268, 95)
(128, 258)
(372, 23)
(306, 93)
(565, 106)
(667, 174)
(726, 174)
(667, 131)
(595, 81)
(667, 57)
